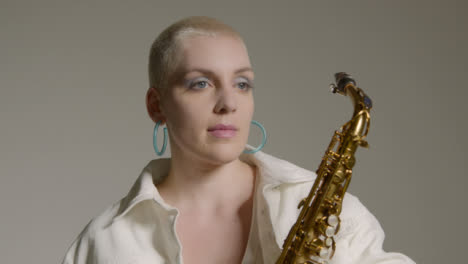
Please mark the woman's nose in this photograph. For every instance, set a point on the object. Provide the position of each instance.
(226, 99)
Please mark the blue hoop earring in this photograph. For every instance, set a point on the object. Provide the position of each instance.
(155, 141)
(263, 139)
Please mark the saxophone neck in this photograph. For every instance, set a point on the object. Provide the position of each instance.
(346, 85)
(358, 126)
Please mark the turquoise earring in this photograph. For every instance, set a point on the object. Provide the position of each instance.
(263, 138)
(155, 141)
(160, 153)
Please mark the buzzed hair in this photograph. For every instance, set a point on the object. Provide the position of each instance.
(164, 55)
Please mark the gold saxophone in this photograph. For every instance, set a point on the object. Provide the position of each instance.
(311, 238)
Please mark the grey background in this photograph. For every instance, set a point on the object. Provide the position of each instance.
(75, 133)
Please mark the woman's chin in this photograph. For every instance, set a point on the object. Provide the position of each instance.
(225, 153)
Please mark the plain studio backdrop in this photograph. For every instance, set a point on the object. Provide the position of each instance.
(75, 132)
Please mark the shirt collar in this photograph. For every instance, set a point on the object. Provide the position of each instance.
(273, 172)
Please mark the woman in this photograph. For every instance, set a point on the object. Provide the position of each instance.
(213, 201)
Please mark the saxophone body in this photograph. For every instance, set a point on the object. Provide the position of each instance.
(311, 238)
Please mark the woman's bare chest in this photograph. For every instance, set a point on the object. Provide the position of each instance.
(217, 240)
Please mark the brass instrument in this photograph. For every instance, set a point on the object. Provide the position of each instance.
(311, 238)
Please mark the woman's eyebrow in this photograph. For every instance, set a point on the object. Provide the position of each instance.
(209, 72)
(244, 69)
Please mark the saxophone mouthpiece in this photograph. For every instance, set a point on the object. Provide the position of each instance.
(333, 88)
(342, 79)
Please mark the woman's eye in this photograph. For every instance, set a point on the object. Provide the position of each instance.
(200, 84)
(243, 85)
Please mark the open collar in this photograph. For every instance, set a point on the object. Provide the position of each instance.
(272, 171)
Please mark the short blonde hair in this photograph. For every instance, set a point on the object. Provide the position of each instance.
(164, 55)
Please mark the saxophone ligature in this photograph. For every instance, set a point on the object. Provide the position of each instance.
(311, 238)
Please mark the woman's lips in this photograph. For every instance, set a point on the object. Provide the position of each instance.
(228, 133)
(222, 127)
(223, 131)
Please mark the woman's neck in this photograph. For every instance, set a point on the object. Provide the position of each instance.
(207, 187)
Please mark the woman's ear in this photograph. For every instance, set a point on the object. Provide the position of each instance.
(153, 105)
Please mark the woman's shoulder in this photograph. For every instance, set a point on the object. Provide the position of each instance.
(85, 243)
(119, 216)
(99, 222)
(114, 234)
(293, 182)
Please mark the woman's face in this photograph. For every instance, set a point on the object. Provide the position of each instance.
(212, 86)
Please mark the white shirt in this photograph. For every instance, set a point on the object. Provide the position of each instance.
(140, 228)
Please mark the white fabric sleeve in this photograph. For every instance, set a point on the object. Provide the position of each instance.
(361, 240)
(81, 249)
